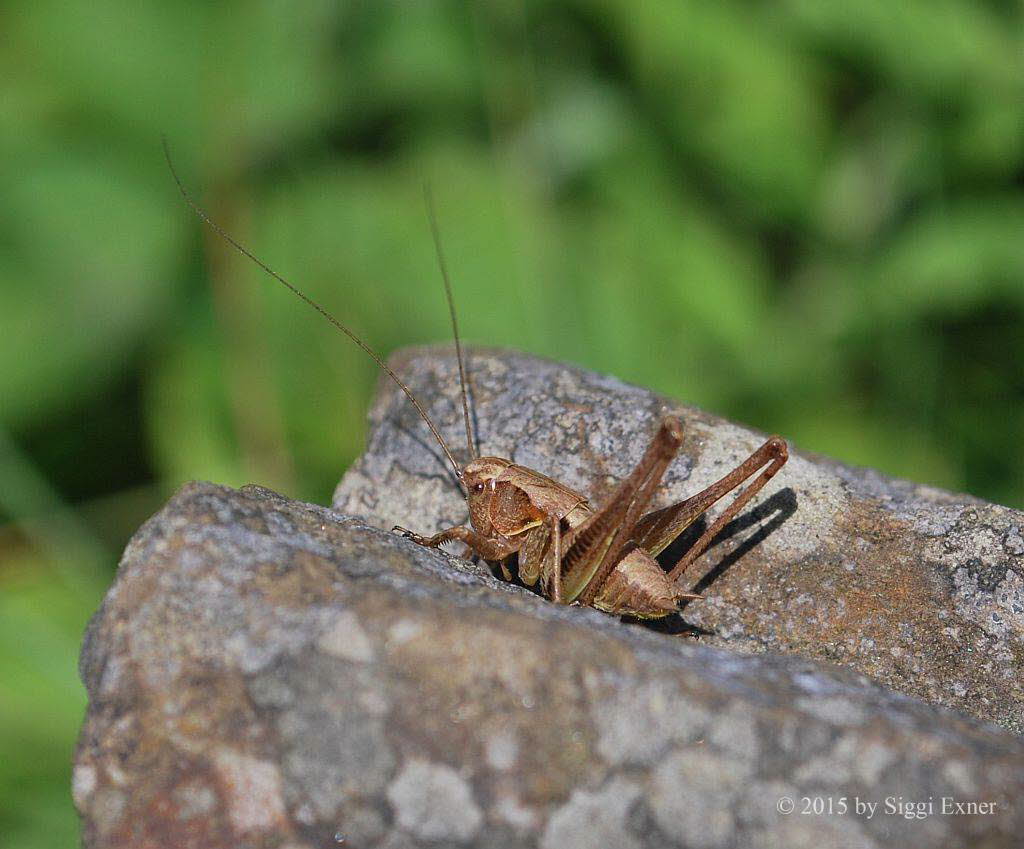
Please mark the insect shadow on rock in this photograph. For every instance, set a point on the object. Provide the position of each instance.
(603, 557)
(780, 506)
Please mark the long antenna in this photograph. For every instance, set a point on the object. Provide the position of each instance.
(428, 197)
(376, 358)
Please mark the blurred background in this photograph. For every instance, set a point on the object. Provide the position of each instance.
(804, 215)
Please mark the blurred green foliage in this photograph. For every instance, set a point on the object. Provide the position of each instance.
(806, 215)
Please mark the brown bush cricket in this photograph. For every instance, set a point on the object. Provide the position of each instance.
(550, 534)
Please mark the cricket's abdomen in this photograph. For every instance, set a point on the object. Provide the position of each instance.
(637, 586)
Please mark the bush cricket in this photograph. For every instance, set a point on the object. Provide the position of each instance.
(549, 534)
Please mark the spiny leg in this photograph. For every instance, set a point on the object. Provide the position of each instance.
(488, 549)
(553, 561)
(655, 531)
(593, 548)
(556, 549)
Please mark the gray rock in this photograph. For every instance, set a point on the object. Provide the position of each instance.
(919, 589)
(270, 673)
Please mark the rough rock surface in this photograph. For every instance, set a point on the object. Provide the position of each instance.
(265, 673)
(919, 589)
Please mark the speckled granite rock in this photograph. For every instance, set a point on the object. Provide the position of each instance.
(919, 589)
(265, 673)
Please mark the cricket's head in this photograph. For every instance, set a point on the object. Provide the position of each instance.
(508, 499)
(496, 504)
(480, 471)
(480, 478)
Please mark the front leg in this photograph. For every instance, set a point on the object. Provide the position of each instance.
(487, 547)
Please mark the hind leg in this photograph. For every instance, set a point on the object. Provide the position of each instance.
(657, 530)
